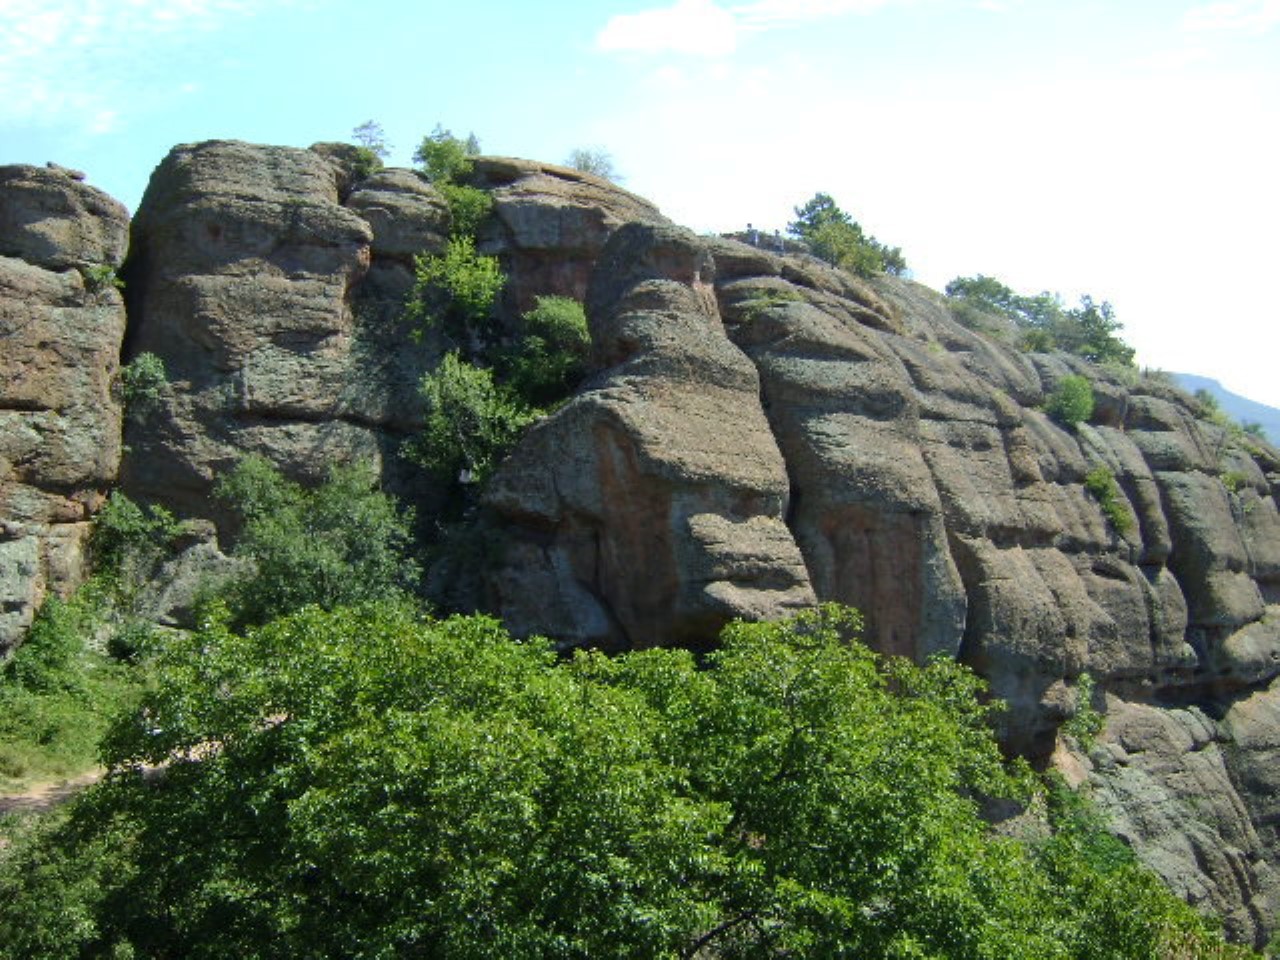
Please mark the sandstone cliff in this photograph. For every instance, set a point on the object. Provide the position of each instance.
(61, 325)
(759, 432)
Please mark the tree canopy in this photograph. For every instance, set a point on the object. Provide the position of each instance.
(837, 238)
(370, 783)
(1090, 330)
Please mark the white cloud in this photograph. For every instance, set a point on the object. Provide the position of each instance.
(1233, 16)
(771, 13)
(85, 61)
(704, 28)
(697, 27)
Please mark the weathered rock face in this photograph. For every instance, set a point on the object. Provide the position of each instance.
(550, 225)
(61, 324)
(651, 508)
(1195, 798)
(852, 442)
(760, 432)
(271, 282)
(241, 278)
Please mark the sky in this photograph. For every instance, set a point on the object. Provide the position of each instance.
(1129, 149)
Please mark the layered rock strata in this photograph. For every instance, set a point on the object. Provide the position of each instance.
(61, 324)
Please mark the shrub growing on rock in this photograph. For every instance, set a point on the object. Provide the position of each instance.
(471, 422)
(142, 383)
(342, 542)
(444, 157)
(455, 291)
(837, 238)
(549, 356)
(1101, 482)
(1071, 401)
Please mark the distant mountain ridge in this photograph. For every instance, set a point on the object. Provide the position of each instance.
(1239, 408)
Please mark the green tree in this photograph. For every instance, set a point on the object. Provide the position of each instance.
(455, 291)
(593, 160)
(368, 783)
(550, 354)
(342, 542)
(1090, 330)
(444, 157)
(837, 238)
(1071, 401)
(370, 135)
(142, 383)
(470, 422)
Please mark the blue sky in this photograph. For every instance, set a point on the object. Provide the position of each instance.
(1127, 149)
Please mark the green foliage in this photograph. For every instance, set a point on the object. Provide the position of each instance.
(125, 535)
(342, 542)
(761, 303)
(1118, 909)
(1071, 401)
(366, 783)
(57, 693)
(1101, 483)
(468, 208)
(366, 164)
(471, 422)
(445, 158)
(1254, 429)
(454, 291)
(101, 277)
(1089, 330)
(370, 136)
(142, 383)
(1233, 480)
(837, 238)
(593, 160)
(1086, 723)
(550, 355)
(1210, 408)
(129, 545)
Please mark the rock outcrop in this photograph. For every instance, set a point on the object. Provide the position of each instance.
(651, 508)
(61, 324)
(550, 225)
(271, 282)
(763, 430)
(760, 432)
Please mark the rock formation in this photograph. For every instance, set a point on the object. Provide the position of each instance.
(61, 324)
(271, 281)
(763, 430)
(759, 432)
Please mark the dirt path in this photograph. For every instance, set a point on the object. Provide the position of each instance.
(40, 797)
